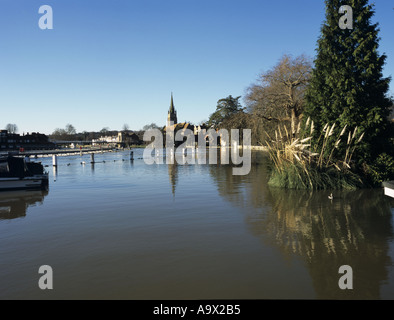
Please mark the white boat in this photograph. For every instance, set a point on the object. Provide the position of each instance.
(389, 188)
(19, 173)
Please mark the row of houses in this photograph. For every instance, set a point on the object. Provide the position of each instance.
(29, 141)
(122, 139)
(38, 141)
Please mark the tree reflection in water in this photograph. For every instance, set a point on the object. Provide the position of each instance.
(355, 229)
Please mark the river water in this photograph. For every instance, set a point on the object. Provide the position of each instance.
(122, 229)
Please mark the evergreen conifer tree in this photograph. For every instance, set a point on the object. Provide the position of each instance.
(347, 85)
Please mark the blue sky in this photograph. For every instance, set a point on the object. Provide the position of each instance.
(107, 63)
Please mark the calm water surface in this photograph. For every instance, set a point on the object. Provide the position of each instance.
(127, 230)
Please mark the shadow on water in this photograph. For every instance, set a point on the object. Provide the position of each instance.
(354, 228)
(14, 204)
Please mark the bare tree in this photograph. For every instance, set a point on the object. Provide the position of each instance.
(11, 128)
(150, 126)
(70, 129)
(126, 127)
(279, 92)
(67, 134)
(59, 134)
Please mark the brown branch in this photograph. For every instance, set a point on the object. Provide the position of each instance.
(269, 118)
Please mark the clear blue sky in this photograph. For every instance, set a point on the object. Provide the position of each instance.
(107, 63)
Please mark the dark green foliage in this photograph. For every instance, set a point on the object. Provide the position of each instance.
(382, 169)
(347, 86)
(225, 109)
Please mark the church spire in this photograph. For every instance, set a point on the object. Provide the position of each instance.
(172, 108)
(172, 118)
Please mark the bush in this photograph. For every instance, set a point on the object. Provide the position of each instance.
(300, 165)
(382, 169)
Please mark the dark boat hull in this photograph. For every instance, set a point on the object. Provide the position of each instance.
(34, 182)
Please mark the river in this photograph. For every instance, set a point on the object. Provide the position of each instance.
(121, 229)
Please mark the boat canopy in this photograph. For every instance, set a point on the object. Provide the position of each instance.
(18, 167)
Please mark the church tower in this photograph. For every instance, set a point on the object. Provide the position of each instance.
(172, 114)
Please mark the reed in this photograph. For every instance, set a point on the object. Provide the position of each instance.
(300, 162)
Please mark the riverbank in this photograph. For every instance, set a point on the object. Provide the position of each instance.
(59, 152)
(259, 148)
(67, 152)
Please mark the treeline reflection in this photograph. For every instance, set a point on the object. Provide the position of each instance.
(354, 228)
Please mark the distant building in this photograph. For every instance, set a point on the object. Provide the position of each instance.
(105, 140)
(174, 126)
(171, 117)
(33, 141)
(121, 140)
(127, 138)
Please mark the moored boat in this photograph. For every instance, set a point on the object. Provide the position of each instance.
(389, 188)
(20, 173)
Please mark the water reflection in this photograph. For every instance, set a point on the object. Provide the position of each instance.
(14, 204)
(355, 229)
(173, 175)
(54, 173)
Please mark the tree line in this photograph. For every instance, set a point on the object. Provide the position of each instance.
(69, 133)
(278, 96)
(344, 85)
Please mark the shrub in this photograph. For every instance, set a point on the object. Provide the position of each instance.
(382, 169)
(300, 165)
